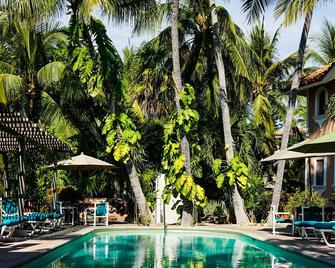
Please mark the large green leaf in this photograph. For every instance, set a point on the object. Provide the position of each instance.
(53, 117)
(51, 73)
(10, 88)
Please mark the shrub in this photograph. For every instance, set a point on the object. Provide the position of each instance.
(306, 199)
(215, 211)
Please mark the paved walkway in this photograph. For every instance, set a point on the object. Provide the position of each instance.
(17, 252)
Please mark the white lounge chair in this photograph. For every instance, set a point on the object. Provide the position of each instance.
(99, 211)
(275, 219)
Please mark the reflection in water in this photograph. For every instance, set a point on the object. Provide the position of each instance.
(172, 250)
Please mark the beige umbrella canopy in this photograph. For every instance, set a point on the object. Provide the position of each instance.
(289, 153)
(83, 162)
(79, 163)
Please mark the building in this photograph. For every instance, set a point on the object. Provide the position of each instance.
(317, 87)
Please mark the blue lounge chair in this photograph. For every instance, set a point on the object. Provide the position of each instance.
(323, 228)
(37, 220)
(9, 224)
(303, 226)
(309, 217)
(100, 210)
(56, 217)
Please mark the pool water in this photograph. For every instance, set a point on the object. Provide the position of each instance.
(174, 249)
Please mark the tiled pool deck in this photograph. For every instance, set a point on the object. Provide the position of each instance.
(14, 253)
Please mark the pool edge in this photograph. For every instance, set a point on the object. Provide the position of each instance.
(245, 234)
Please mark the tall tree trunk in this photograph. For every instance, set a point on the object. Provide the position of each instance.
(290, 111)
(144, 211)
(238, 202)
(187, 216)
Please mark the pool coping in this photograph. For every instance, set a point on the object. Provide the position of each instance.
(47, 245)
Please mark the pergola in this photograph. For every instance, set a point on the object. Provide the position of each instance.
(18, 135)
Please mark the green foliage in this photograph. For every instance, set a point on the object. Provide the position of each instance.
(177, 181)
(306, 199)
(257, 199)
(122, 136)
(215, 211)
(234, 173)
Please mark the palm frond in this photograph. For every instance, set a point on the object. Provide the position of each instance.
(10, 88)
(255, 8)
(51, 73)
(52, 116)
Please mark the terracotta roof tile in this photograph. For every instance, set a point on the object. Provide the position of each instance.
(316, 75)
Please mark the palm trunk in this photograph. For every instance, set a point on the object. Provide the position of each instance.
(187, 216)
(238, 202)
(290, 110)
(144, 211)
(33, 98)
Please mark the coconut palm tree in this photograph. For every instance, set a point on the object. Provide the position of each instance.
(325, 42)
(265, 71)
(32, 68)
(291, 10)
(187, 215)
(240, 214)
(152, 62)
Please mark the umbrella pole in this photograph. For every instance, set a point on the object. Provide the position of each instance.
(84, 194)
(310, 176)
(54, 186)
(5, 175)
(22, 175)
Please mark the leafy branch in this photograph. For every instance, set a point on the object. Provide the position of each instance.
(182, 122)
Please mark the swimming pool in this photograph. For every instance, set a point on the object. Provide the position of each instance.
(137, 248)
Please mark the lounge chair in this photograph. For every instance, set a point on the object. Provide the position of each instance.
(324, 229)
(288, 218)
(100, 210)
(303, 227)
(37, 220)
(56, 217)
(309, 217)
(9, 224)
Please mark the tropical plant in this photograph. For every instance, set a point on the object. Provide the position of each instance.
(325, 42)
(32, 71)
(187, 214)
(124, 141)
(238, 202)
(178, 181)
(304, 199)
(291, 10)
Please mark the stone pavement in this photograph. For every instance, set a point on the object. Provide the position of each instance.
(14, 253)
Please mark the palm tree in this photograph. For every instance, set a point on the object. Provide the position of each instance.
(92, 31)
(150, 95)
(325, 42)
(292, 10)
(238, 202)
(187, 216)
(33, 69)
(265, 71)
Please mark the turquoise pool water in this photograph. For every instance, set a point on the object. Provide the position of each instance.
(175, 249)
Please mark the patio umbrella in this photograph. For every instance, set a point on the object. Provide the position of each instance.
(290, 153)
(323, 144)
(83, 162)
(80, 163)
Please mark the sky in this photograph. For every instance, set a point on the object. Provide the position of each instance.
(289, 37)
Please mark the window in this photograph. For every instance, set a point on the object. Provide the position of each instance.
(321, 102)
(319, 174)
